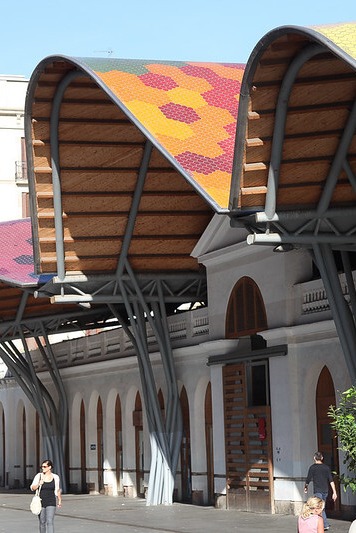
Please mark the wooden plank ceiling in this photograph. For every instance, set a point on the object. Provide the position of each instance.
(18, 283)
(100, 153)
(319, 106)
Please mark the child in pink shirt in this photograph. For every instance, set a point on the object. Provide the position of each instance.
(310, 521)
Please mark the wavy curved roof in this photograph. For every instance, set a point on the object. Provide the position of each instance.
(190, 109)
(16, 251)
(112, 108)
(310, 74)
(18, 306)
(108, 113)
(343, 35)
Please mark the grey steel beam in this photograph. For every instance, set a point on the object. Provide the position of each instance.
(134, 208)
(21, 307)
(61, 322)
(20, 371)
(301, 239)
(302, 214)
(55, 163)
(103, 299)
(350, 174)
(140, 276)
(280, 121)
(340, 310)
(163, 446)
(345, 256)
(338, 162)
(191, 285)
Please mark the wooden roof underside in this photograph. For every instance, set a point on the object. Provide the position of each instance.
(318, 109)
(100, 152)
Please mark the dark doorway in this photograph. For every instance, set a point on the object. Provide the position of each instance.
(327, 442)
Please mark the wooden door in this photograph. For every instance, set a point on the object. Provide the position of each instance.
(118, 444)
(139, 446)
(3, 449)
(100, 446)
(209, 445)
(327, 442)
(248, 446)
(185, 456)
(83, 455)
(24, 449)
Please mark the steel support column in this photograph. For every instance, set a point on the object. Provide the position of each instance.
(280, 122)
(56, 178)
(343, 319)
(165, 436)
(53, 419)
(323, 229)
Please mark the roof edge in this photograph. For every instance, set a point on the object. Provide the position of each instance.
(247, 80)
(82, 65)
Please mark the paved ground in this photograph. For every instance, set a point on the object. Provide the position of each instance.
(105, 514)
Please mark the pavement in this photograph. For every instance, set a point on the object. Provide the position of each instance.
(105, 514)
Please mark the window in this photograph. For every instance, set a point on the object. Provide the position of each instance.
(25, 204)
(257, 383)
(246, 312)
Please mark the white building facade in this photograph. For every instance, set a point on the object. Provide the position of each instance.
(302, 368)
(13, 170)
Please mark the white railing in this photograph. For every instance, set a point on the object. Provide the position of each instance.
(20, 172)
(185, 329)
(314, 296)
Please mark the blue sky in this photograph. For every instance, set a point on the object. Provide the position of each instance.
(196, 30)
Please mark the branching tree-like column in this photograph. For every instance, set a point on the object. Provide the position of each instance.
(54, 418)
(165, 434)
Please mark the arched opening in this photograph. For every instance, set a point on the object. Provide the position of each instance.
(38, 439)
(20, 446)
(246, 313)
(3, 447)
(24, 449)
(139, 446)
(185, 456)
(209, 444)
(248, 442)
(327, 443)
(100, 445)
(83, 455)
(118, 444)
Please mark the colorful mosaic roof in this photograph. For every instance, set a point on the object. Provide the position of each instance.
(189, 108)
(16, 254)
(343, 35)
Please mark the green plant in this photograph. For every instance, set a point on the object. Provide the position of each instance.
(344, 423)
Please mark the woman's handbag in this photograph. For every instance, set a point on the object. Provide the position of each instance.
(36, 503)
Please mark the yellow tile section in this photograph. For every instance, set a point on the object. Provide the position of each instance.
(343, 35)
(191, 110)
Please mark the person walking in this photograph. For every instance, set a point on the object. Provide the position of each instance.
(320, 474)
(310, 521)
(50, 494)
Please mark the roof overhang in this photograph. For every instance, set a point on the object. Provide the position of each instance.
(295, 153)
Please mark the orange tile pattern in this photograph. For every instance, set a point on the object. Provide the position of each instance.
(189, 108)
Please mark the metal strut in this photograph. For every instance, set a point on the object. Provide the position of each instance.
(344, 321)
(53, 419)
(323, 229)
(56, 178)
(165, 436)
